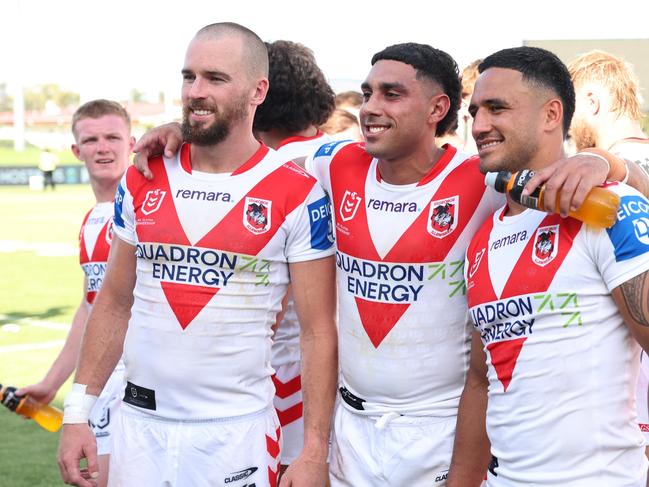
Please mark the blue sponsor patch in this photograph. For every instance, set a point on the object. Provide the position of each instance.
(327, 149)
(320, 220)
(119, 201)
(630, 234)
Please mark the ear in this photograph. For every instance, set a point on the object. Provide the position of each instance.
(75, 150)
(553, 114)
(439, 107)
(260, 91)
(131, 143)
(592, 103)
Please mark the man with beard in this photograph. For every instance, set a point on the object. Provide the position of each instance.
(195, 278)
(550, 387)
(607, 117)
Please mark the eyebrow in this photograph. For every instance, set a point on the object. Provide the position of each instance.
(209, 73)
(386, 86)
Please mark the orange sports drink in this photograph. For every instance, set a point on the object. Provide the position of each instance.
(599, 209)
(45, 415)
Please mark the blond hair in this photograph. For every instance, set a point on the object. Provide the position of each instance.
(613, 73)
(468, 77)
(98, 109)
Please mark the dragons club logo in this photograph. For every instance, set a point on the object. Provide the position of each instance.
(152, 201)
(349, 206)
(256, 215)
(546, 245)
(442, 217)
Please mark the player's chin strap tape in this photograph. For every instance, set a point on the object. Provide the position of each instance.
(77, 405)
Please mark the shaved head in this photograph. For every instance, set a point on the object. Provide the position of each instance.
(254, 53)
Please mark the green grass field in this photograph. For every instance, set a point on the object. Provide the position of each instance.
(40, 288)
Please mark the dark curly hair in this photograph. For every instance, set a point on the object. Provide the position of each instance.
(541, 67)
(432, 64)
(298, 95)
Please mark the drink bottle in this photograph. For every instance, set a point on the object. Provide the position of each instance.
(599, 209)
(45, 415)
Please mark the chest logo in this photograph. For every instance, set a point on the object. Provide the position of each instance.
(546, 245)
(442, 216)
(152, 201)
(349, 206)
(256, 215)
(476, 262)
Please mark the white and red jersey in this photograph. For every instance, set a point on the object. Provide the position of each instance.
(634, 149)
(212, 268)
(637, 150)
(286, 346)
(562, 365)
(402, 314)
(94, 246)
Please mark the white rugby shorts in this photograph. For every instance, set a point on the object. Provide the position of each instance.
(104, 412)
(238, 451)
(390, 451)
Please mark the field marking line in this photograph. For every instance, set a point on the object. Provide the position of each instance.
(27, 347)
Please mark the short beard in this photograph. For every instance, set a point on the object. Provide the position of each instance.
(583, 135)
(219, 130)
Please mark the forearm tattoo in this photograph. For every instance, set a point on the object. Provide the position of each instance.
(635, 295)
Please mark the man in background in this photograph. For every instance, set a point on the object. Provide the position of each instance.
(103, 142)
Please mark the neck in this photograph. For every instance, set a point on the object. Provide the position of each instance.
(621, 129)
(226, 156)
(104, 192)
(273, 138)
(410, 169)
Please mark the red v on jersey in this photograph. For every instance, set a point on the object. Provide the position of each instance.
(229, 234)
(186, 300)
(349, 176)
(526, 277)
(504, 356)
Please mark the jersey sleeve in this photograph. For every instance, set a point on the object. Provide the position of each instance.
(622, 251)
(124, 218)
(318, 163)
(311, 233)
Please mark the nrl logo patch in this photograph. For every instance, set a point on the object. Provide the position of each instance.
(256, 215)
(476, 262)
(349, 206)
(442, 217)
(152, 201)
(546, 245)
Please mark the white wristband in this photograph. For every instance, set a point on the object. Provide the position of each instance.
(608, 164)
(77, 405)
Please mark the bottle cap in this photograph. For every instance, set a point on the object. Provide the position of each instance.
(490, 179)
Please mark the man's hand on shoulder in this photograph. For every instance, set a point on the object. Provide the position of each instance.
(165, 139)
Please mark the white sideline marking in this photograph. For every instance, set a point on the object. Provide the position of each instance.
(52, 325)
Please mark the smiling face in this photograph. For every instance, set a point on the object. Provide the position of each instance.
(507, 120)
(104, 145)
(396, 112)
(215, 92)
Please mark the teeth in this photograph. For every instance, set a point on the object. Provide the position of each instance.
(374, 130)
(489, 144)
(202, 112)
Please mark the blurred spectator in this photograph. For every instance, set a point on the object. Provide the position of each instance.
(342, 125)
(47, 164)
(350, 101)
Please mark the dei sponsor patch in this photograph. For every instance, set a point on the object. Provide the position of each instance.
(630, 234)
(320, 222)
(327, 149)
(119, 203)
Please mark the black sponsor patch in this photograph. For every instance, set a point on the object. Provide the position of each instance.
(493, 466)
(351, 399)
(139, 396)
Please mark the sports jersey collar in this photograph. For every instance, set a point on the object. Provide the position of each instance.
(299, 138)
(186, 163)
(630, 140)
(449, 153)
